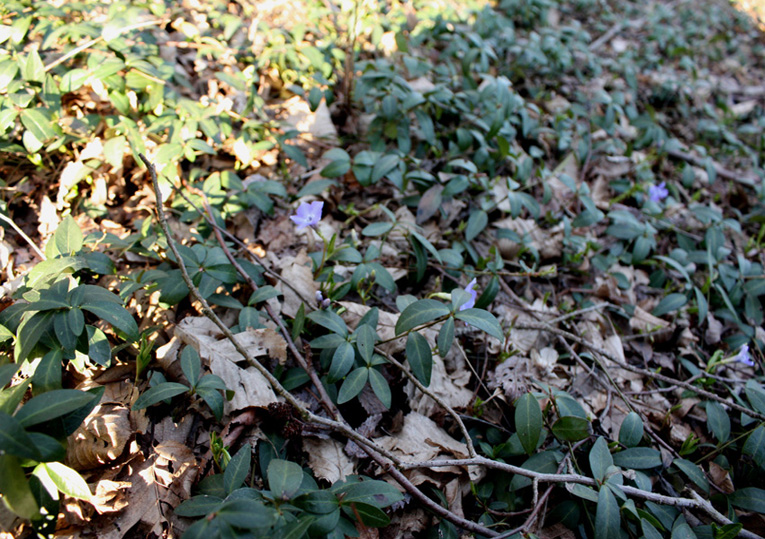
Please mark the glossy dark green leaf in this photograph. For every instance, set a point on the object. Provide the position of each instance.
(14, 439)
(369, 514)
(284, 478)
(631, 431)
(237, 469)
(353, 385)
(247, 514)
(528, 422)
(420, 357)
(376, 229)
(191, 364)
(51, 405)
(342, 362)
(420, 312)
(198, 506)
(483, 320)
(600, 459)
(99, 349)
(670, 303)
(15, 488)
(320, 502)
(475, 225)
(693, 472)
(571, 429)
(329, 320)
(749, 499)
(212, 398)
(755, 446)
(756, 395)
(638, 458)
(718, 421)
(607, 517)
(380, 387)
(374, 492)
(158, 393)
(365, 341)
(446, 337)
(47, 375)
(29, 333)
(117, 316)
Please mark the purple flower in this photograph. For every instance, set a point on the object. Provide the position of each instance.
(743, 356)
(307, 214)
(658, 193)
(470, 289)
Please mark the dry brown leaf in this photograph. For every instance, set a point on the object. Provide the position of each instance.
(450, 387)
(644, 322)
(720, 477)
(549, 242)
(327, 459)
(318, 124)
(297, 272)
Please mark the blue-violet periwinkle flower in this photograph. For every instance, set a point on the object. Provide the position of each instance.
(658, 193)
(307, 214)
(470, 289)
(744, 357)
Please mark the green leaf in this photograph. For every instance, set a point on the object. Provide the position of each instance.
(376, 229)
(65, 334)
(117, 316)
(15, 488)
(353, 385)
(99, 349)
(68, 237)
(284, 478)
(365, 341)
(51, 405)
(296, 530)
(374, 492)
(380, 387)
(749, 499)
(638, 458)
(38, 124)
(600, 459)
(756, 395)
(483, 320)
(47, 375)
(670, 303)
(198, 506)
(607, 517)
(718, 421)
(475, 225)
(420, 312)
(237, 469)
(755, 446)
(158, 393)
(369, 514)
(67, 480)
(693, 472)
(212, 397)
(320, 502)
(420, 357)
(446, 337)
(342, 362)
(262, 294)
(29, 333)
(329, 320)
(248, 514)
(571, 428)
(649, 531)
(191, 364)
(34, 70)
(528, 422)
(14, 439)
(336, 168)
(631, 431)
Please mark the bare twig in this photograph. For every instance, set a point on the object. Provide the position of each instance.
(23, 235)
